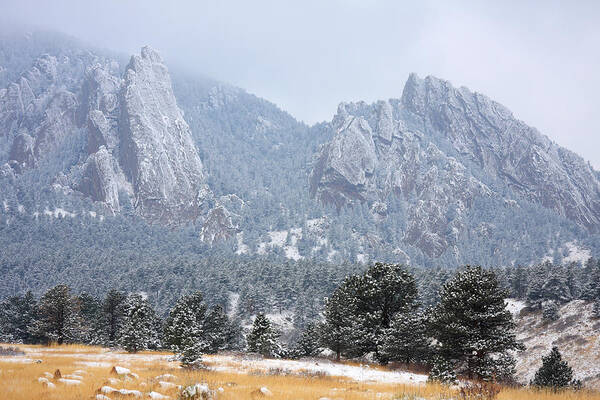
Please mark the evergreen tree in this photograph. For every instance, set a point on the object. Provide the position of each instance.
(535, 292)
(58, 319)
(339, 329)
(442, 371)
(263, 338)
(363, 307)
(308, 344)
(184, 327)
(17, 315)
(113, 310)
(407, 339)
(596, 309)
(550, 310)
(556, 288)
(91, 313)
(554, 372)
(217, 330)
(139, 330)
(471, 322)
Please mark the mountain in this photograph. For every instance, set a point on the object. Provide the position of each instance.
(445, 155)
(110, 157)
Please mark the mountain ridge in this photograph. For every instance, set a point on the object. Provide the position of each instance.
(259, 167)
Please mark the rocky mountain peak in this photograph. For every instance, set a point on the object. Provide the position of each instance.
(439, 149)
(157, 153)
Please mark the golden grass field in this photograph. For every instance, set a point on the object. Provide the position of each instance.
(19, 381)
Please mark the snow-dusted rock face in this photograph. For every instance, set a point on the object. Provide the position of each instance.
(438, 149)
(157, 151)
(132, 137)
(37, 112)
(486, 133)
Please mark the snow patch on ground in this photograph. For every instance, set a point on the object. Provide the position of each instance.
(576, 254)
(241, 247)
(59, 213)
(576, 334)
(230, 363)
(514, 306)
(280, 239)
(234, 304)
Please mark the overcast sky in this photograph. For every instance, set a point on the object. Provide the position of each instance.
(541, 59)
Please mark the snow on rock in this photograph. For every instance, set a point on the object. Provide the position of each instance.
(116, 370)
(59, 213)
(166, 385)
(100, 396)
(69, 382)
(197, 392)
(73, 376)
(166, 378)
(46, 382)
(231, 363)
(157, 396)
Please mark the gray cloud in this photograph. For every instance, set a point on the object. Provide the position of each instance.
(538, 58)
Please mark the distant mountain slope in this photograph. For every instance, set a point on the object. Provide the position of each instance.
(439, 177)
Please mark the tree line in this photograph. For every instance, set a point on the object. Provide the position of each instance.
(376, 314)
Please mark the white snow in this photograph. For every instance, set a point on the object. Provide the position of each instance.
(120, 370)
(59, 212)
(157, 396)
(70, 382)
(21, 360)
(514, 306)
(166, 385)
(230, 363)
(241, 247)
(576, 254)
(233, 306)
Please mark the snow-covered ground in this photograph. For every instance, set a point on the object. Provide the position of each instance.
(235, 363)
(576, 334)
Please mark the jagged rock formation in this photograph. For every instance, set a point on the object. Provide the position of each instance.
(157, 152)
(439, 149)
(137, 143)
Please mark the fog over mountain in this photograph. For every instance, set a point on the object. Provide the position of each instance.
(535, 57)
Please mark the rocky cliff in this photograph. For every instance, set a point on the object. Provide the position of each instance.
(136, 144)
(438, 149)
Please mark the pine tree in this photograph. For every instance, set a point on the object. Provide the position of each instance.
(535, 292)
(216, 330)
(554, 372)
(407, 339)
(596, 309)
(339, 328)
(471, 321)
(550, 310)
(17, 315)
(91, 313)
(263, 339)
(113, 314)
(442, 371)
(556, 288)
(58, 319)
(308, 344)
(360, 310)
(139, 330)
(185, 324)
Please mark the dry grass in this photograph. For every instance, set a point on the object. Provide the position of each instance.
(18, 381)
